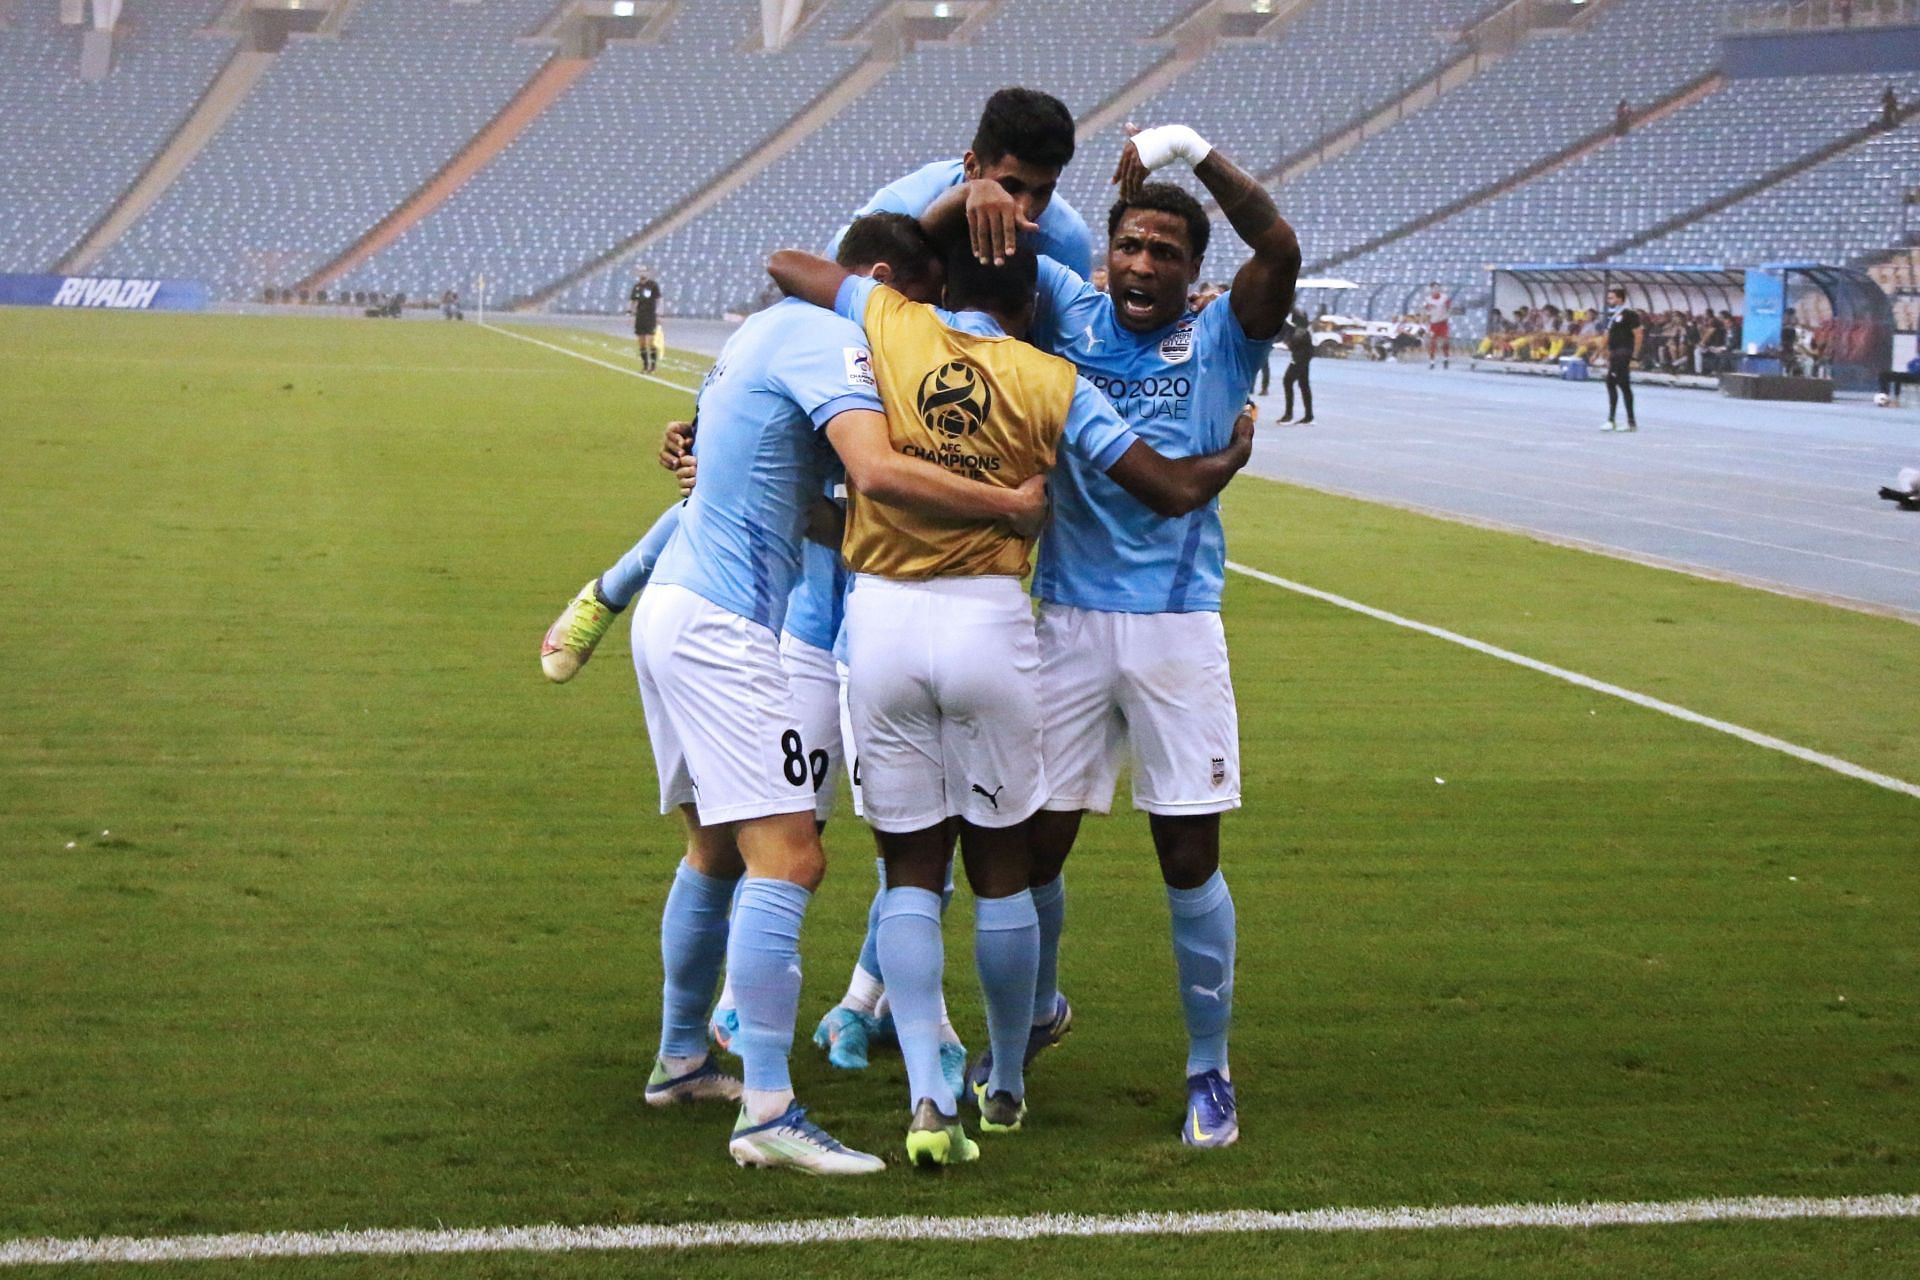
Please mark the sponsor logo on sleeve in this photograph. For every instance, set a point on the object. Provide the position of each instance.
(859, 367)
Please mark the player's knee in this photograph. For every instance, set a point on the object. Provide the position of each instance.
(1188, 847)
(784, 846)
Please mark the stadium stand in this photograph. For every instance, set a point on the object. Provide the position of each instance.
(69, 146)
(338, 132)
(924, 110)
(1606, 197)
(1265, 98)
(645, 127)
(1839, 211)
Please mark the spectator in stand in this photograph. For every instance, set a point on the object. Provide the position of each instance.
(1790, 344)
(1844, 8)
(1735, 327)
(1099, 279)
(1622, 119)
(1889, 108)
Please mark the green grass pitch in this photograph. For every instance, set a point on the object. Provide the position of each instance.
(323, 909)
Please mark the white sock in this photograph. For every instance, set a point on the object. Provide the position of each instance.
(677, 1067)
(726, 996)
(881, 1008)
(762, 1105)
(947, 1034)
(863, 992)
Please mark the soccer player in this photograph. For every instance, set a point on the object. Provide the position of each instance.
(643, 300)
(942, 655)
(1133, 656)
(1625, 332)
(1023, 141)
(719, 712)
(1437, 310)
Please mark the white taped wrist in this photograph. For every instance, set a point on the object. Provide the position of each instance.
(1169, 142)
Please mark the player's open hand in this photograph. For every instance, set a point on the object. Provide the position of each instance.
(1031, 515)
(994, 221)
(1131, 173)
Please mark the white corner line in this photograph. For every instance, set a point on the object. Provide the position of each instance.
(710, 1235)
(581, 355)
(1753, 736)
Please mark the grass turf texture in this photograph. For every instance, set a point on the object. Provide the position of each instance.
(372, 940)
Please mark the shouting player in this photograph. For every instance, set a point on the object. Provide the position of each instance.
(1133, 655)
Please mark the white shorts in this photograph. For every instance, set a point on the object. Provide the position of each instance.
(1152, 686)
(942, 692)
(814, 680)
(726, 736)
(851, 754)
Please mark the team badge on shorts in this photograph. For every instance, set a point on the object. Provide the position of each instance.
(1219, 771)
(954, 400)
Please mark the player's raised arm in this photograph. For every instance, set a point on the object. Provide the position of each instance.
(984, 213)
(1262, 295)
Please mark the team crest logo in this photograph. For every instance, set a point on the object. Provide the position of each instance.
(1219, 770)
(953, 400)
(1177, 346)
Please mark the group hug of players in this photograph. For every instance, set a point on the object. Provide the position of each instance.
(872, 463)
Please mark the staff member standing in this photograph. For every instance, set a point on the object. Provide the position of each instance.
(1625, 331)
(643, 300)
(1299, 341)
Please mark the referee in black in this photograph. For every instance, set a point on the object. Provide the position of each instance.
(1625, 331)
(643, 300)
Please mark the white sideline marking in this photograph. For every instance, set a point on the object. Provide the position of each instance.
(1753, 736)
(581, 355)
(709, 1235)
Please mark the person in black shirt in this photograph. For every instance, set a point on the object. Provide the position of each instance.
(1625, 331)
(643, 301)
(1300, 348)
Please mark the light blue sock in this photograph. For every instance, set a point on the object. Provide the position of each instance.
(620, 584)
(1203, 941)
(1050, 902)
(763, 955)
(870, 945)
(1006, 951)
(693, 945)
(915, 960)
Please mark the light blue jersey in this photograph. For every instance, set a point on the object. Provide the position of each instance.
(1093, 435)
(818, 604)
(787, 372)
(1063, 234)
(1180, 388)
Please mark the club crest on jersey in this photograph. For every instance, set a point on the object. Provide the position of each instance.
(1177, 347)
(954, 400)
(859, 367)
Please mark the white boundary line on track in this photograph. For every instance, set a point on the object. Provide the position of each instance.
(709, 1235)
(581, 355)
(1753, 736)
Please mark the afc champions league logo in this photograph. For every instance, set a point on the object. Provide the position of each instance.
(954, 400)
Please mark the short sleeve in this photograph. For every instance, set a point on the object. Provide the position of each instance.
(828, 375)
(856, 294)
(1220, 336)
(1094, 430)
(1065, 237)
(1064, 305)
